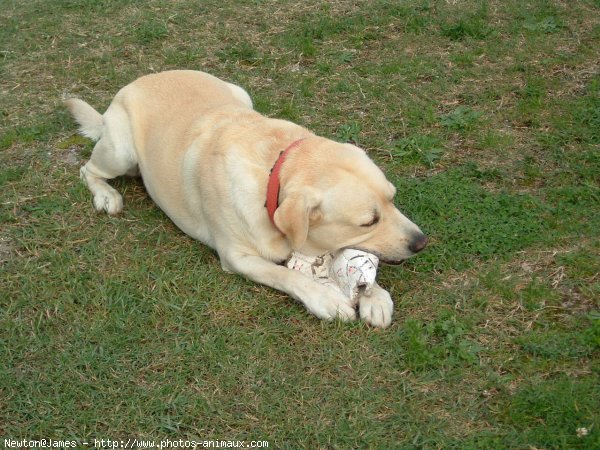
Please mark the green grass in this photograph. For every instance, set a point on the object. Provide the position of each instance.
(485, 115)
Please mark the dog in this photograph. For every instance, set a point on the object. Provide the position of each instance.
(251, 187)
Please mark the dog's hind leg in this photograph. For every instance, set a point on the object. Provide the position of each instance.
(103, 166)
(113, 155)
(240, 94)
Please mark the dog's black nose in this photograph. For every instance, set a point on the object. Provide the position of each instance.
(418, 243)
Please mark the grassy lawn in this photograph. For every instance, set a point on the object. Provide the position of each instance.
(485, 115)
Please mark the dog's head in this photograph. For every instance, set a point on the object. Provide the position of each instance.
(333, 197)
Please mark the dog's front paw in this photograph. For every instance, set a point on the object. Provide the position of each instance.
(377, 309)
(331, 304)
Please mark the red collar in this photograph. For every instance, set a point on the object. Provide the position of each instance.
(273, 184)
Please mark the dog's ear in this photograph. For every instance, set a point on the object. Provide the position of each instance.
(295, 214)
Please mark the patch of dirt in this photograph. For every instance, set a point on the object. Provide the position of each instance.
(8, 249)
(543, 264)
(70, 156)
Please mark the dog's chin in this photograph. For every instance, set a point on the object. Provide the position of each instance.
(395, 261)
(392, 262)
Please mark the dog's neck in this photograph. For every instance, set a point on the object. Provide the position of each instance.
(273, 186)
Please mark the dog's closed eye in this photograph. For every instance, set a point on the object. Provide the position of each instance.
(373, 221)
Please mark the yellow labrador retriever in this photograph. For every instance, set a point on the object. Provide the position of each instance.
(205, 157)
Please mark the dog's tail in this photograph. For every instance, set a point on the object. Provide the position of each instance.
(89, 120)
